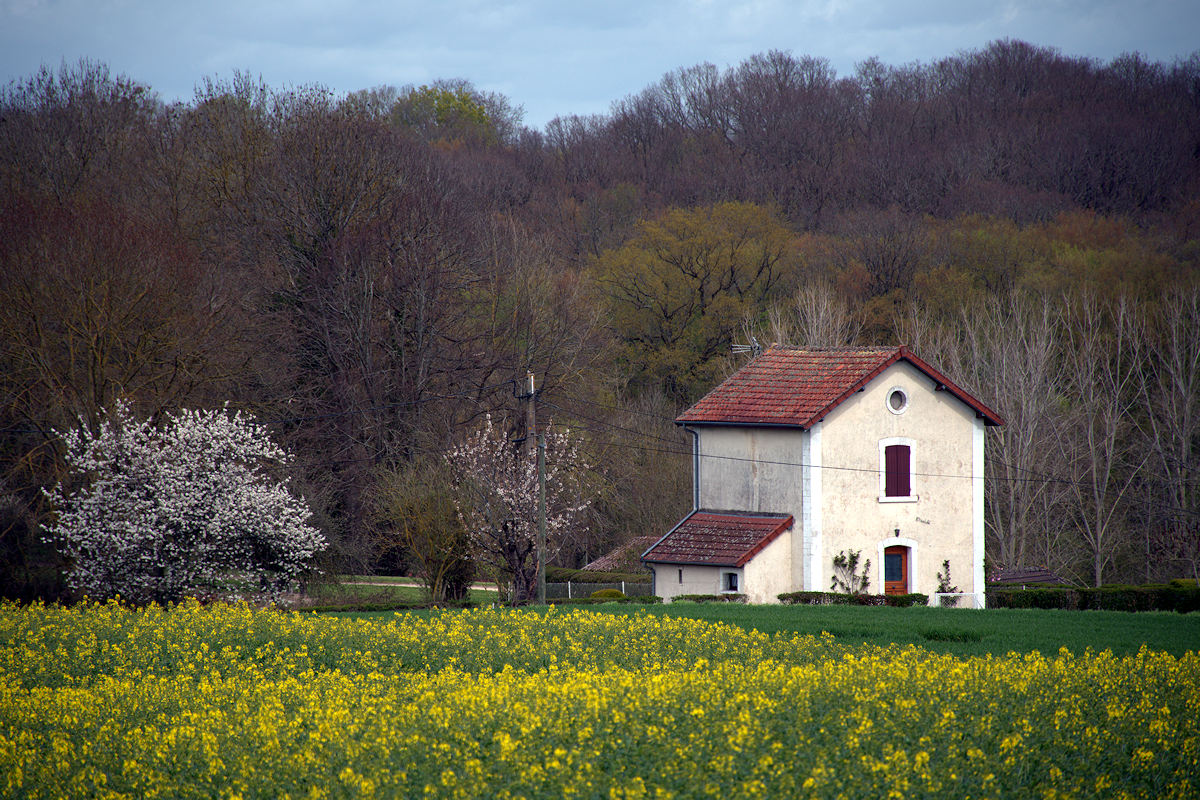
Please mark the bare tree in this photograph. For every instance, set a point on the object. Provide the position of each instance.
(1101, 361)
(647, 468)
(416, 522)
(1170, 396)
(95, 306)
(72, 131)
(817, 317)
(1006, 350)
(1018, 339)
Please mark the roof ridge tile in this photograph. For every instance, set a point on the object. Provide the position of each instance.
(798, 386)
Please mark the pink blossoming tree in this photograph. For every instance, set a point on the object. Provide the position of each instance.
(497, 489)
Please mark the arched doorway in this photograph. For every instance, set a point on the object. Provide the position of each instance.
(895, 570)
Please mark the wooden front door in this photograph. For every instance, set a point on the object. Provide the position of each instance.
(895, 570)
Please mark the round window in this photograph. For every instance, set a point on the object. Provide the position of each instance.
(897, 400)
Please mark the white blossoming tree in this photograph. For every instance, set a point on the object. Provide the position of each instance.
(497, 491)
(187, 508)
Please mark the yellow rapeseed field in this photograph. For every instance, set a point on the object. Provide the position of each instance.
(228, 701)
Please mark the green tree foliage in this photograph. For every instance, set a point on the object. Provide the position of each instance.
(417, 523)
(681, 287)
(370, 271)
(450, 112)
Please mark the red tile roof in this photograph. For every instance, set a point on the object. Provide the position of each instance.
(624, 556)
(718, 538)
(797, 387)
(1027, 575)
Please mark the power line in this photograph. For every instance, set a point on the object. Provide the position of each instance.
(617, 408)
(612, 425)
(1039, 478)
(471, 394)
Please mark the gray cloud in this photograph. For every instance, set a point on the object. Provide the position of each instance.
(552, 57)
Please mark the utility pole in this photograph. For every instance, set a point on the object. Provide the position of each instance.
(530, 416)
(541, 555)
(533, 440)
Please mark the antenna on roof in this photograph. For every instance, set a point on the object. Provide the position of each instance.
(754, 347)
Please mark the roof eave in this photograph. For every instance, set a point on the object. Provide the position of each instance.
(663, 538)
(693, 563)
(724, 423)
(859, 385)
(990, 418)
(901, 353)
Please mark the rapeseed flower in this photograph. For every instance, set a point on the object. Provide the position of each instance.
(218, 701)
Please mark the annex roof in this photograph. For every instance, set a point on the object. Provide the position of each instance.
(718, 538)
(798, 386)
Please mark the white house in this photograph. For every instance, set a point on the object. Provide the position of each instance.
(804, 453)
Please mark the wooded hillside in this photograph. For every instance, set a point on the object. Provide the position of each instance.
(372, 274)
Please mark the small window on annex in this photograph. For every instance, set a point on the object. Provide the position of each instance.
(730, 582)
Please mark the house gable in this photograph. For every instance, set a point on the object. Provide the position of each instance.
(933, 512)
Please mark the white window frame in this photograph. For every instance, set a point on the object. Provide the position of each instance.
(737, 577)
(884, 444)
(887, 400)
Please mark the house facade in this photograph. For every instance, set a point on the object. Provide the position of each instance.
(805, 453)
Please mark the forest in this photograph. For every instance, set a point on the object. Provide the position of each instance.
(373, 274)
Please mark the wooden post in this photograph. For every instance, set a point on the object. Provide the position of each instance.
(541, 555)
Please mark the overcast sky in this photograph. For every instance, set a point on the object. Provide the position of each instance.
(553, 57)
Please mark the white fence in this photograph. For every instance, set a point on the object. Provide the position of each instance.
(958, 599)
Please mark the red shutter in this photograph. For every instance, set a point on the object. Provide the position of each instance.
(895, 460)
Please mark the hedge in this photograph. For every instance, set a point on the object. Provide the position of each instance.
(1181, 596)
(641, 599)
(709, 598)
(565, 574)
(843, 599)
